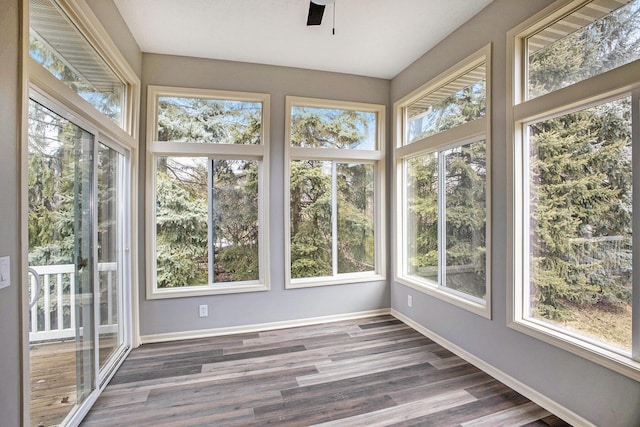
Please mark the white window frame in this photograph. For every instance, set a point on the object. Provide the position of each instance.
(475, 130)
(615, 83)
(375, 157)
(259, 152)
(39, 84)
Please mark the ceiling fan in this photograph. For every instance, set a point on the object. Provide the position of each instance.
(316, 10)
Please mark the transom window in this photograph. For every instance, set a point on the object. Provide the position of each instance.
(442, 157)
(208, 152)
(60, 48)
(335, 187)
(576, 109)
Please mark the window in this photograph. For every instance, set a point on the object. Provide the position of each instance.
(58, 45)
(208, 158)
(575, 116)
(335, 187)
(442, 159)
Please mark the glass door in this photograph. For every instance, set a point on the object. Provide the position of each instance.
(61, 336)
(111, 251)
(78, 262)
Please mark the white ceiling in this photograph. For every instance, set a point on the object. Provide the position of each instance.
(377, 38)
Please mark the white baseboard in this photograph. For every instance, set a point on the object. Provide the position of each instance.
(531, 394)
(206, 333)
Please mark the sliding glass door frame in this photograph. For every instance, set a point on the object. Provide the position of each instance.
(48, 96)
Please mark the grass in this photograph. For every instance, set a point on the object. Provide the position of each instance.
(608, 323)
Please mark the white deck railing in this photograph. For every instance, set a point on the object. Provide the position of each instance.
(52, 316)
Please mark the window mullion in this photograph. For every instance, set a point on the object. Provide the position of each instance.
(210, 224)
(442, 222)
(635, 304)
(334, 218)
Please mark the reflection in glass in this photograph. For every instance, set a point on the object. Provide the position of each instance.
(57, 45)
(456, 103)
(606, 38)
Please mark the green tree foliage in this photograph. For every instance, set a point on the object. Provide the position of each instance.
(51, 187)
(453, 110)
(464, 216)
(181, 223)
(355, 210)
(581, 175)
(311, 230)
(106, 98)
(607, 43)
(235, 220)
(332, 128)
(186, 185)
(581, 208)
(208, 121)
(312, 200)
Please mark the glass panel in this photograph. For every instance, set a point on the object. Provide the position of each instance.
(61, 317)
(465, 192)
(356, 244)
(84, 264)
(588, 42)
(333, 128)
(422, 216)
(58, 46)
(110, 252)
(209, 121)
(580, 208)
(182, 253)
(235, 220)
(458, 102)
(311, 226)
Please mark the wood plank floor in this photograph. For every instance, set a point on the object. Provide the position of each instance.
(367, 372)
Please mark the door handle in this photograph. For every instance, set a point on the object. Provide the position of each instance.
(36, 294)
(81, 262)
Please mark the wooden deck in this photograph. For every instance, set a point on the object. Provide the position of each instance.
(53, 380)
(368, 372)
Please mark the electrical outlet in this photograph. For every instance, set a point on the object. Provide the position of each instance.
(204, 310)
(409, 301)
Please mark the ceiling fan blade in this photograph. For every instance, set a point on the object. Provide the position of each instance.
(315, 14)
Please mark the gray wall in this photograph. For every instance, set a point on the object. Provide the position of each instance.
(598, 394)
(10, 358)
(108, 14)
(181, 314)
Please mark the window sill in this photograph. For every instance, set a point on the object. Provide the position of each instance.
(609, 359)
(473, 305)
(343, 279)
(195, 291)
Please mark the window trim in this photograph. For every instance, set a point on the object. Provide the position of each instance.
(475, 130)
(375, 157)
(259, 152)
(592, 91)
